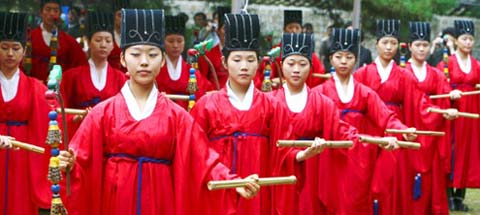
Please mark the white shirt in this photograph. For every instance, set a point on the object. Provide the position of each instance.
(420, 73)
(98, 82)
(384, 72)
(465, 68)
(174, 72)
(345, 97)
(116, 36)
(296, 103)
(236, 102)
(132, 104)
(9, 87)
(47, 36)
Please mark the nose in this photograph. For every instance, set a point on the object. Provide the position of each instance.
(144, 60)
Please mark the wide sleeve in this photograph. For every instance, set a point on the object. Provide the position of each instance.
(194, 165)
(86, 175)
(379, 113)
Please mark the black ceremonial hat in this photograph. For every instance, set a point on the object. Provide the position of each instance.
(221, 11)
(292, 16)
(297, 44)
(13, 26)
(119, 4)
(174, 25)
(142, 27)
(419, 31)
(345, 40)
(242, 32)
(99, 21)
(388, 28)
(464, 27)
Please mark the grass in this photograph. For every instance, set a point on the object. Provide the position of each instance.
(472, 199)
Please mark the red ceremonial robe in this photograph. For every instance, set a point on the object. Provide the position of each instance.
(169, 86)
(466, 142)
(435, 152)
(246, 142)
(215, 56)
(23, 178)
(79, 92)
(114, 58)
(69, 54)
(319, 118)
(161, 163)
(352, 193)
(401, 95)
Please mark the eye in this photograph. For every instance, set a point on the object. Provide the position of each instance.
(135, 54)
(152, 55)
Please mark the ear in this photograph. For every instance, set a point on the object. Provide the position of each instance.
(224, 63)
(122, 59)
(163, 59)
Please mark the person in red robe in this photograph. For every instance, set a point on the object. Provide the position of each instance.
(365, 168)
(292, 23)
(399, 91)
(312, 115)
(215, 54)
(175, 73)
(23, 116)
(434, 157)
(464, 73)
(138, 152)
(244, 124)
(114, 57)
(85, 86)
(68, 54)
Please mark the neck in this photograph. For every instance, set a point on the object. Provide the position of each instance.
(140, 92)
(384, 62)
(174, 60)
(239, 90)
(8, 73)
(344, 78)
(99, 62)
(294, 90)
(462, 55)
(48, 28)
(417, 63)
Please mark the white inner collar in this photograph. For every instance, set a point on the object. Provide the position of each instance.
(47, 36)
(420, 72)
(132, 105)
(345, 97)
(236, 102)
(466, 67)
(9, 87)
(174, 72)
(98, 81)
(384, 72)
(296, 103)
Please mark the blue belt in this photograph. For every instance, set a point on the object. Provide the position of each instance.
(14, 123)
(463, 84)
(235, 142)
(345, 111)
(394, 104)
(140, 160)
(89, 103)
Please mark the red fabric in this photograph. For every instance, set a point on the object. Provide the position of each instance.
(401, 94)
(69, 54)
(348, 190)
(79, 92)
(215, 56)
(320, 118)
(167, 85)
(102, 185)
(435, 153)
(27, 183)
(262, 125)
(466, 171)
(114, 58)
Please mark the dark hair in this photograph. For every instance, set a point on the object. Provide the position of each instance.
(204, 17)
(44, 2)
(308, 25)
(449, 31)
(184, 16)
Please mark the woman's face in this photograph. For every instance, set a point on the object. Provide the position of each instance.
(465, 43)
(101, 44)
(343, 62)
(420, 50)
(11, 55)
(174, 45)
(295, 70)
(387, 48)
(241, 66)
(143, 63)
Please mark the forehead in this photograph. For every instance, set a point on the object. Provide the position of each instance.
(421, 42)
(51, 5)
(388, 39)
(243, 54)
(143, 48)
(296, 57)
(10, 43)
(173, 36)
(343, 53)
(466, 36)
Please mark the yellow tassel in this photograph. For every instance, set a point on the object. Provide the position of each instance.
(267, 83)
(57, 207)
(192, 86)
(54, 174)
(191, 103)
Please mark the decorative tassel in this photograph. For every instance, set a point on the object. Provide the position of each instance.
(332, 70)
(267, 83)
(403, 52)
(191, 102)
(445, 63)
(417, 187)
(192, 86)
(53, 49)
(57, 207)
(375, 207)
